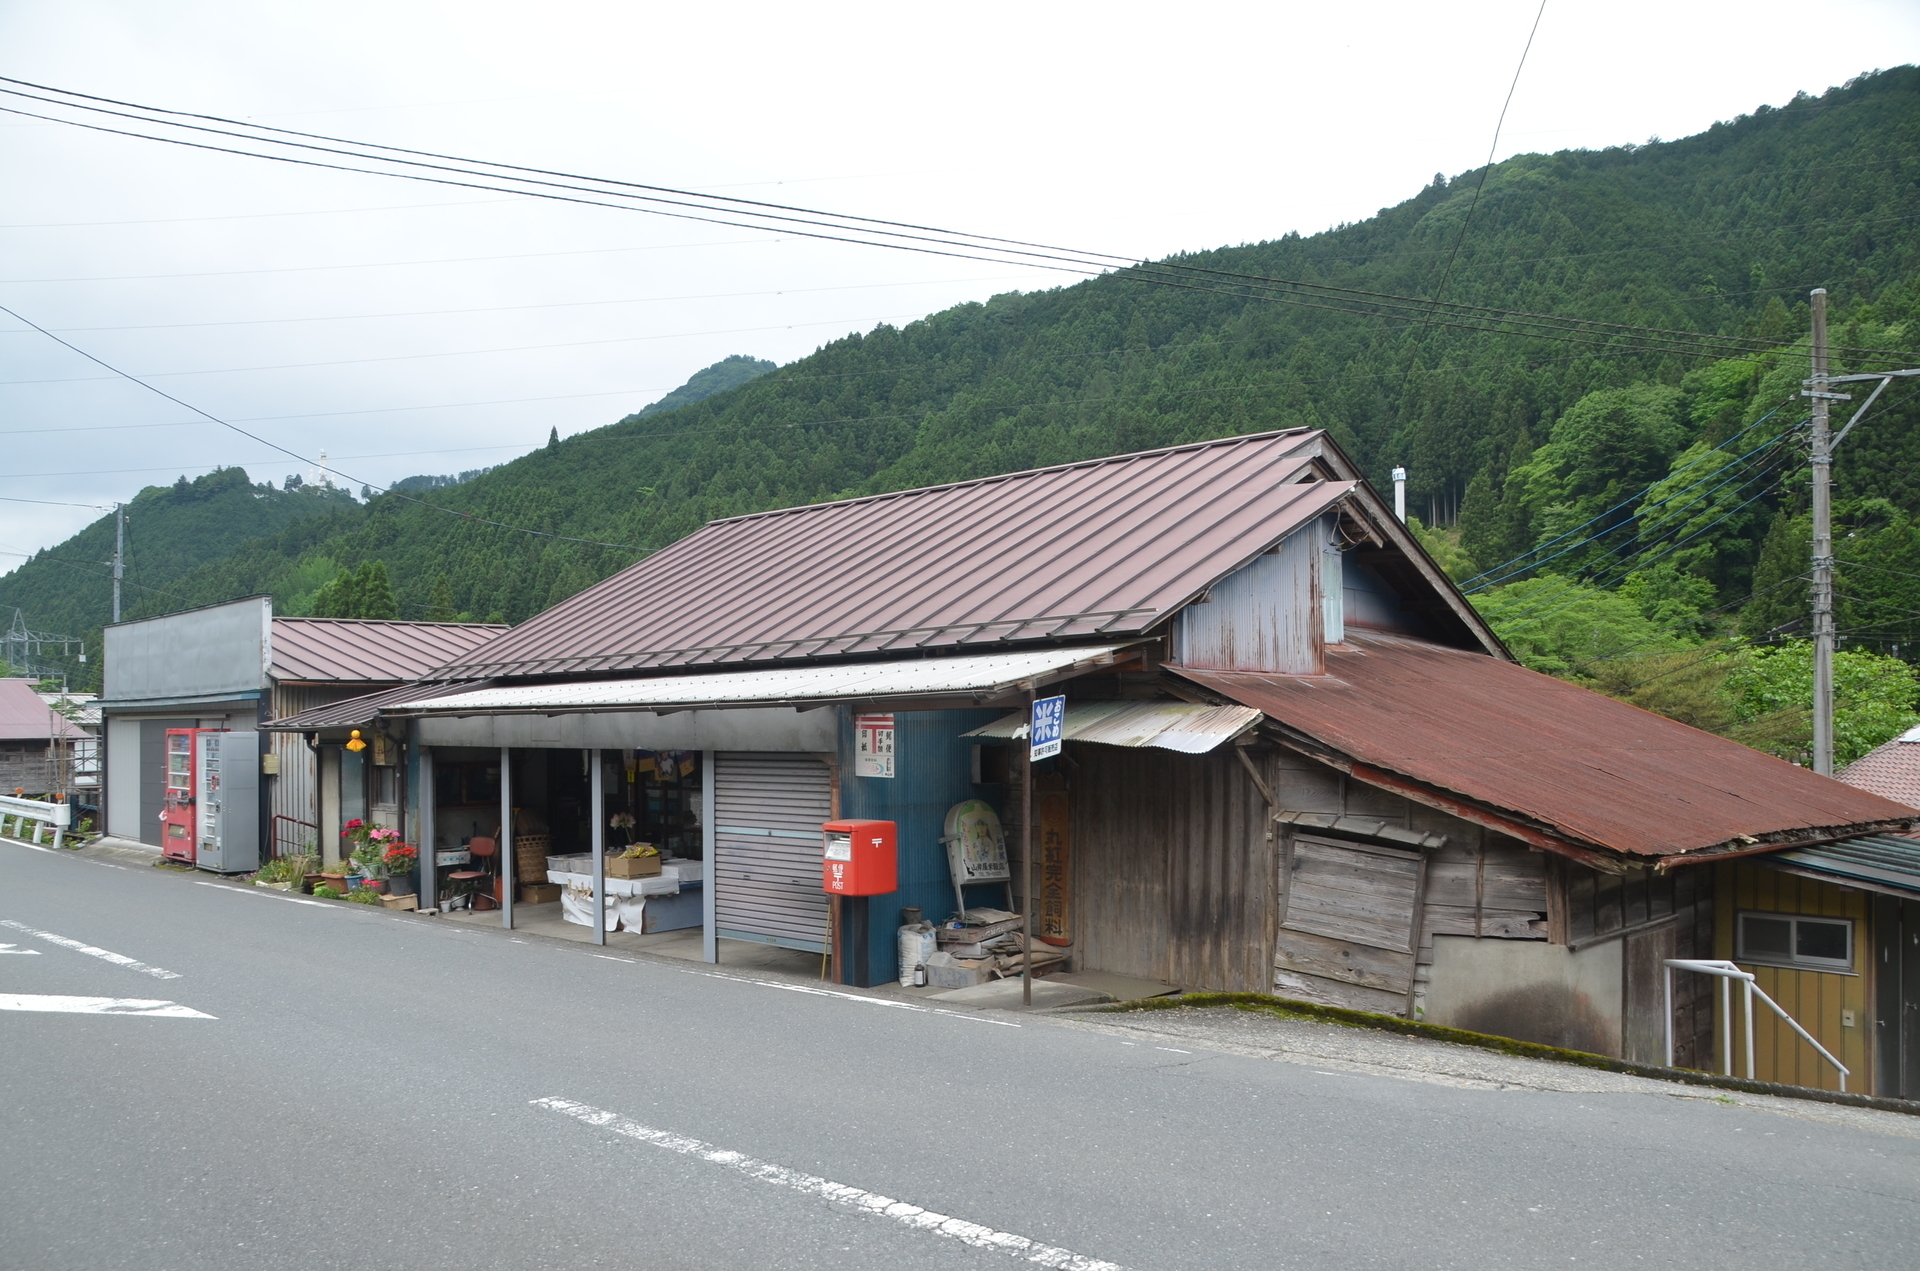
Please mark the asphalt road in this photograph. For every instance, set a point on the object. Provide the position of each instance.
(376, 1090)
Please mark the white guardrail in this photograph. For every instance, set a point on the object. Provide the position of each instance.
(29, 819)
(1728, 973)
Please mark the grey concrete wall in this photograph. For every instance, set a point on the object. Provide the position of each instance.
(1528, 990)
(752, 728)
(219, 649)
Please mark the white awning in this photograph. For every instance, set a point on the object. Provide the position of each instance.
(1182, 726)
(983, 677)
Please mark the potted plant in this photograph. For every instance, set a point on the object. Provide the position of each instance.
(399, 859)
(623, 822)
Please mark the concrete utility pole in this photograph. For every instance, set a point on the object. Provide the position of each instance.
(1822, 544)
(119, 553)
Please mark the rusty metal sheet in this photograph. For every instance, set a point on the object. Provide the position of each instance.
(1082, 551)
(1183, 726)
(1593, 772)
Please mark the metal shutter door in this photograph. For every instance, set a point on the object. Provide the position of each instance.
(766, 872)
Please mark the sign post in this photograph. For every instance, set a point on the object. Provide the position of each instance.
(1046, 722)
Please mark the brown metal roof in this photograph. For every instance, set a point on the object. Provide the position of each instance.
(371, 651)
(1087, 550)
(357, 712)
(25, 717)
(1565, 767)
(1891, 771)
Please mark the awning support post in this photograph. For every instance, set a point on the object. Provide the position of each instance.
(503, 850)
(597, 804)
(709, 869)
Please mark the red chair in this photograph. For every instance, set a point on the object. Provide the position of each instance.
(468, 882)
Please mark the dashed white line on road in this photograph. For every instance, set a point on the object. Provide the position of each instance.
(970, 1233)
(105, 955)
(98, 1006)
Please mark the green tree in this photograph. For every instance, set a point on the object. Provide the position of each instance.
(1565, 627)
(1444, 546)
(363, 593)
(440, 602)
(1772, 693)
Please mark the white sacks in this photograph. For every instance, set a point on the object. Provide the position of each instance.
(916, 946)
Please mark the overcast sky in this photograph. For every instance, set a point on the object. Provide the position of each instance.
(409, 328)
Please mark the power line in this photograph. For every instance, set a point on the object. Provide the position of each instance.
(873, 232)
(468, 516)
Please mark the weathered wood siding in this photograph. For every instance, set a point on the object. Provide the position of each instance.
(1479, 884)
(26, 765)
(1820, 1000)
(1174, 871)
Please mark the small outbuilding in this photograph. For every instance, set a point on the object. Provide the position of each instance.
(39, 745)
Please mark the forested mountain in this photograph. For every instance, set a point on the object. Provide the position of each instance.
(1514, 440)
(171, 531)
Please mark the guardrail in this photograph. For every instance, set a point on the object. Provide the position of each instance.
(30, 818)
(1728, 973)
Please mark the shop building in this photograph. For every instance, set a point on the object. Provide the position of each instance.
(1295, 759)
(231, 668)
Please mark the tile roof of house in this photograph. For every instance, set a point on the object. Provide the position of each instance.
(1085, 551)
(25, 717)
(374, 651)
(1555, 764)
(1891, 771)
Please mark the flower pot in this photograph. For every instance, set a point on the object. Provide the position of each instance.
(336, 881)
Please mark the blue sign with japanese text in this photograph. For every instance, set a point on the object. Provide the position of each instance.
(1049, 721)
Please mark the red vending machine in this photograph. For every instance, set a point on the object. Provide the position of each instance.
(176, 806)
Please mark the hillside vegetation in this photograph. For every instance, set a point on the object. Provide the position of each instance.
(1658, 490)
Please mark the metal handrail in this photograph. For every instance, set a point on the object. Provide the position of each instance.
(275, 825)
(58, 815)
(1727, 973)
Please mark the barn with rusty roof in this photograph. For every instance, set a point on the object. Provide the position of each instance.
(1290, 758)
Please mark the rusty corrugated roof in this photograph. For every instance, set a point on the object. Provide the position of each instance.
(24, 717)
(1083, 551)
(373, 651)
(1891, 771)
(1566, 767)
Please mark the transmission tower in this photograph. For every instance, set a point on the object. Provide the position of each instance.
(21, 649)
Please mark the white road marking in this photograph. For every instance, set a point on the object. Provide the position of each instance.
(900, 1211)
(7, 948)
(99, 1006)
(1175, 1049)
(811, 991)
(264, 892)
(105, 955)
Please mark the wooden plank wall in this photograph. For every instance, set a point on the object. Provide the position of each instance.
(1174, 874)
(1659, 916)
(26, 765)
(1815, 998)
(1480, 883)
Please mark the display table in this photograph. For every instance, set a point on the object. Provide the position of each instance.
(669, 901)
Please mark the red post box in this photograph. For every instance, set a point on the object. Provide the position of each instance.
(861, 858)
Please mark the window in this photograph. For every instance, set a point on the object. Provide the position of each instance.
(1789, 940)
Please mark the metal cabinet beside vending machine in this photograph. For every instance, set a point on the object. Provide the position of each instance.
(227, 801)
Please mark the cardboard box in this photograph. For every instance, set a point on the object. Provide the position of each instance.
(539, 893)
(633, 866)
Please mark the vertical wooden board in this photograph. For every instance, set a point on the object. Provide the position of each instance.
(1644, 1009)
(1124, 867)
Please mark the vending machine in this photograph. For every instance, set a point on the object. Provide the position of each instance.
(176, 805)
(226, 801)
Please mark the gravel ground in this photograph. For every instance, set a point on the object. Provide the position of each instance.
(1342, 1048)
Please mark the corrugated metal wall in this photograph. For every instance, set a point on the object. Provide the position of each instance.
(296, 791)
(1174, 876)
(1263, 617)
(766, 873)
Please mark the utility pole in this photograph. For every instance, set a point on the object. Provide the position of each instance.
(1822, 545)
(119, 553)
